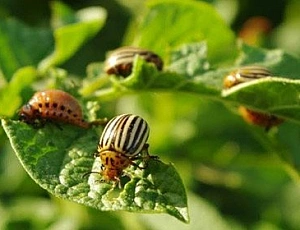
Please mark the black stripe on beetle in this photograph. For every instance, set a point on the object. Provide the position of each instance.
(120, 61)
(245, 74)
(126, 134)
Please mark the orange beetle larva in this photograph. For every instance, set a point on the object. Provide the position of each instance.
(53, 105)
(261, 119)
(120, 61)
(246, 74)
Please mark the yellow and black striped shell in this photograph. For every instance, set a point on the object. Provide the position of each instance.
(120, 61)
(245, 74)
(122, 140)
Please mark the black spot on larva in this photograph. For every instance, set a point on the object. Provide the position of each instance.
(75, 115)
(106, 161)
(62, 107)
(47, 104)
(60, 114)
(112, 161)
(40, 105)
(47, 113)
(69, 111)
(54, 113)
(54, 105)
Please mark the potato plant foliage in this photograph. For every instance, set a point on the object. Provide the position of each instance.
(197, 56)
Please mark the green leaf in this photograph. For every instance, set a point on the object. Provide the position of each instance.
(278, 96)
(70, 37)
(57, 159)
(279, 62)
(190, 59)
(170, 24)
(62, 15)
(10, 95)
(190, 72)
(196, 77)
(22, 45)
(204, 216)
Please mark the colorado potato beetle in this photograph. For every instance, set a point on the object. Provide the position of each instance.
(246, 74)
(120, 61)
(123, 141)
(53, 105)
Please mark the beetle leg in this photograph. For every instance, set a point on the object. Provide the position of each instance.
(145, 154)
(96, 154)
(136, 165)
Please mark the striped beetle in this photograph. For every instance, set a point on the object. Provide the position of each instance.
(54, 105)
(246, 74)
(123, 140)
(120, 61)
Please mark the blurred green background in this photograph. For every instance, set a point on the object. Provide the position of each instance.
(233, 172)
